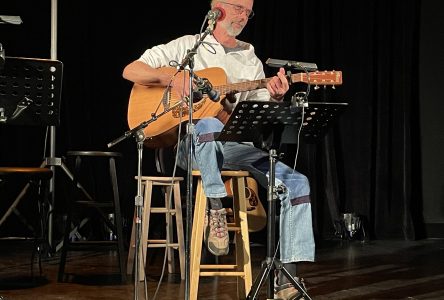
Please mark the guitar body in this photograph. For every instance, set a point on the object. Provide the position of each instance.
(256, 214)
(147, 100)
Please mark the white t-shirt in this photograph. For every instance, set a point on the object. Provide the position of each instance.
(239, 66)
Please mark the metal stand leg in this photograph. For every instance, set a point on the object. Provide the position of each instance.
(271, 262)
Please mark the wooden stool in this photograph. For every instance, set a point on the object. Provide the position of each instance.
(242, 268)
(172, 188)
(83, 201)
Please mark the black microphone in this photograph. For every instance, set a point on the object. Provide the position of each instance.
(204, 85)
(216, 14)
(298, 65)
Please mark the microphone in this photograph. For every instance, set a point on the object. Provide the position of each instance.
(216, 14)
(204, 86)
(298, 65)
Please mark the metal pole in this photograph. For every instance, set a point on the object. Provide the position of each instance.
(52, 129)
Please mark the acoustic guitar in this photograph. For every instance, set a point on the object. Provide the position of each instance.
(256, 214)
(161, 108)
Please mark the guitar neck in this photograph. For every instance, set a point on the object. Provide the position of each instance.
(242, 86)
(316, 78)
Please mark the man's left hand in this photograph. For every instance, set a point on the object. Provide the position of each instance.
(277, 86)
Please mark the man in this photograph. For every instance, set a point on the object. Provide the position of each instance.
(240, 63)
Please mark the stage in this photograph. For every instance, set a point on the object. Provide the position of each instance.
(382, 269)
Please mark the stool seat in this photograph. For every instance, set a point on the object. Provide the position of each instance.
(28, 173)
(94, 153)
(227, 173)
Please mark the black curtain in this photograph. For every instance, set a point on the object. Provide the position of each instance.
(368, 163)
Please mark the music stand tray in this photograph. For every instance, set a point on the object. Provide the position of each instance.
(251, 119)
(30, 91)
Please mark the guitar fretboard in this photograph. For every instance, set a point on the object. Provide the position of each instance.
(242, 86)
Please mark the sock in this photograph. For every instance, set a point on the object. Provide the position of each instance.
(215, 203)
(291, 268)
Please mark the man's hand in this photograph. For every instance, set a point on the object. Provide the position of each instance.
(277, 86)
(181, 85)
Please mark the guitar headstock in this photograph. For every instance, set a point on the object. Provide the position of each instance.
(319, 78)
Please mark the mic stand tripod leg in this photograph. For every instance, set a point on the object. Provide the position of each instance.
(271, 262)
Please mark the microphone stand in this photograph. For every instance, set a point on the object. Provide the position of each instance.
(189, 60)
(139, 135)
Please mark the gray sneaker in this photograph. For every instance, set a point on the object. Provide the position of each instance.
(216, 231)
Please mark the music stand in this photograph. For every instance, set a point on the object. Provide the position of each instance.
(251, 118)
(30, 92)
(246, 124)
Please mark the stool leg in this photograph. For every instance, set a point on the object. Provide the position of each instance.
(242, 238)
(132, 246)
(169, 229)
(179, 228)
(69, 208)
(143, 250)
(118, 218)
(196, 239)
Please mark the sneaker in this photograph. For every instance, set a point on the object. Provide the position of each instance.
(287, 291)
(216, 231)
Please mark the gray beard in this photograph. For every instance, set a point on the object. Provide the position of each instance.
(232, 32)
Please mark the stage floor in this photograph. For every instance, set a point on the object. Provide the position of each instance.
(343, 270)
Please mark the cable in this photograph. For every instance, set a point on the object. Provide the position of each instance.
(304, 101)
(298, 138)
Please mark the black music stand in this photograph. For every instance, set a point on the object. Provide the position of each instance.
(30, 92)
(246, 124)
(251, 119)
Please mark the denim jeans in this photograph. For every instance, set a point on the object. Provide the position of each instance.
(210, 156)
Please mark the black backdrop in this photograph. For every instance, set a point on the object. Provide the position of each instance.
(367, 163)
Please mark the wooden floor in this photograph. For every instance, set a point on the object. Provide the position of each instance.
(343, 270)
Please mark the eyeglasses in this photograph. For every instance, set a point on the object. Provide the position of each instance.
(239, 9)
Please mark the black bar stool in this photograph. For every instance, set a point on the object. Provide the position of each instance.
(81, 201)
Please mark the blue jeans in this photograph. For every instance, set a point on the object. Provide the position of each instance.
(210, 156)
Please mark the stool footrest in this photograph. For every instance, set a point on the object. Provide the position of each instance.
(159, 244)
(162, 210)
(94, 203)
(236, 274)
(233, 228)
(218, 267)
